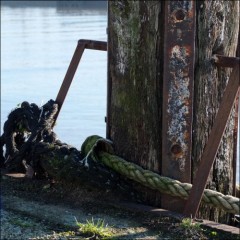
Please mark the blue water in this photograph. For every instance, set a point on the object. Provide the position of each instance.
(37, 45)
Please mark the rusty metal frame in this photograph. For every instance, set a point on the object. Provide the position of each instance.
(235, 141)
(81, 46)
(178, 77)
(237, 119)
(211, 148)
(231, 97)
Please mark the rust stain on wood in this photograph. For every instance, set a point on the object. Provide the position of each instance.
(178, 75)
(178, 86)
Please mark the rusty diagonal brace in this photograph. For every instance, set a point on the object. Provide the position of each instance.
(215, 137)
(211, 148)
(81, 46)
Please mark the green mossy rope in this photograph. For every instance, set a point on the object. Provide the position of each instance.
(101, 150)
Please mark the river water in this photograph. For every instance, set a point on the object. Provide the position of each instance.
(37, 44)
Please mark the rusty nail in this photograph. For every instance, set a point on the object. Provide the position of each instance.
(176, 149)
(180, 15)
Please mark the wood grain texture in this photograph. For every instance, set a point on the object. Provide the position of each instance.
(134, 72)
(134, 78)
(218, 26)
(135, 64)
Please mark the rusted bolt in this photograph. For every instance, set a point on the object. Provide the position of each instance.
(180, 15)
(176, 149)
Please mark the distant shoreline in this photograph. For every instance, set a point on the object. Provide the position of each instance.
(78, 5)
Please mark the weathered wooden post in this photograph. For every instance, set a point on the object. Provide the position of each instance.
(164, 92)
(135, 68)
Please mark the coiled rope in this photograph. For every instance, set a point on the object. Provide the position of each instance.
(37, 122)
(101, 150)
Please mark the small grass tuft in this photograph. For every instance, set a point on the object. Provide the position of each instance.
(187, 223)
(213, 234)
(96, 229)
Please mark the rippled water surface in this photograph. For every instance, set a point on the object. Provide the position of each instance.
(37, 45)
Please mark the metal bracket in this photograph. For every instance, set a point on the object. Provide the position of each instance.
(223, 61)
(211, 148)
(81, 46)
(178, 76)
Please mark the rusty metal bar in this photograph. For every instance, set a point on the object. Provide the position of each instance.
(224, 61)
(94, 45)
(212, 145)
(235, 130)
(235, 141)
(81, 46)
(178, 76)
(69, 75)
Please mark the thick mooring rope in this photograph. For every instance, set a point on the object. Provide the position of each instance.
(28, 118)
(100, 150)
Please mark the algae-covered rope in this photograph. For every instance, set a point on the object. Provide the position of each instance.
(101, 150)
